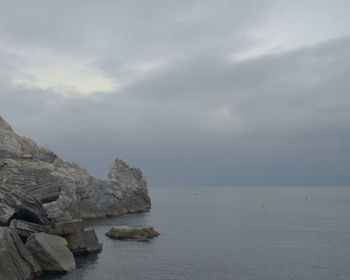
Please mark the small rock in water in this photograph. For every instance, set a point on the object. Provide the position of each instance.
(126, 232)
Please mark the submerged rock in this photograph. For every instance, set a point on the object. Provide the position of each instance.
(51, 252)
(126, 232)
(16, 203)
(16, 262)
(23, 163)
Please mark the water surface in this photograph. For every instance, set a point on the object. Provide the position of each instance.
(230, 233)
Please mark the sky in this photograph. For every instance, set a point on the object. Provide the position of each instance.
(195, 93)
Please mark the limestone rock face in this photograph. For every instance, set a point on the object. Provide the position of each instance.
(51, 252)
(65, 186)
(126, 232)
(16, 262)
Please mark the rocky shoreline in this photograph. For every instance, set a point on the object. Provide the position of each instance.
(23, 163)
(43, 201)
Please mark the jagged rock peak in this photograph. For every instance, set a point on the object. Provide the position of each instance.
(119, 168)
(122, 174)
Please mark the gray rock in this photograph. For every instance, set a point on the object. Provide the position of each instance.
(24, 163)
(132, 185)
(25, 229)
(70, 227)
(17, 204)
(51, 252)
(126, 232)
(45, 192)
(16, 262)
(84, 242)
(56, 214)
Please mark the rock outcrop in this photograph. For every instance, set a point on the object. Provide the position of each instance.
(66, 187)
(126, 232)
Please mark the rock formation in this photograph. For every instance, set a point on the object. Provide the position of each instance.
(49, 244)
(33, 243)
(42, 202)
(126, 232)
(80, 241)
(24, 164)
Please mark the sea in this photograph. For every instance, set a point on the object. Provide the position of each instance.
(243, 233)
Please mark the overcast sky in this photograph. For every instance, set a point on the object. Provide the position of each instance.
(195, 93)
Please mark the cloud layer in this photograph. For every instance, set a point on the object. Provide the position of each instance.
(196, 93)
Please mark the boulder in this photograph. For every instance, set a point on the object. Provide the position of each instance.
(17, 204)
(70, 227)
(126, 232)
(45, 192)
(16, 262)
(51, 252)
(25, 229)
(84, 242)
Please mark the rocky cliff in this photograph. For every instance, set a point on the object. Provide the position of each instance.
(23, 163)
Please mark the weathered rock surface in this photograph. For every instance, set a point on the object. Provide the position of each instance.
(56, 214)
(46, 192)
(70, 227)
(25, 229)
(51, 252)
(84, 242)
(126, 232)
(23, 163)
(16, 262)
(16, 203)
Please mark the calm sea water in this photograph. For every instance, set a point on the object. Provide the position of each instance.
(230, 233)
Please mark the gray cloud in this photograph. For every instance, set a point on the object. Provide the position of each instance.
(187, 112)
